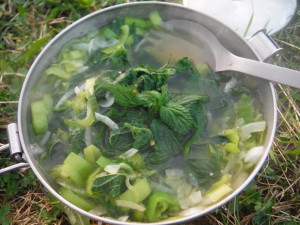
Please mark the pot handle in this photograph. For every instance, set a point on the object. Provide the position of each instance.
(265, 47)
(15, 149)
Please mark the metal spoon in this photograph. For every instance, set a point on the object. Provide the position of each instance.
(186, 37)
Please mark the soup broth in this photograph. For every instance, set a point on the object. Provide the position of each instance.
(124, 134)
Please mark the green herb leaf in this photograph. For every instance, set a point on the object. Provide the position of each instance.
(199, 116)
(111, 184)
(166, 144)
(147, 78)
(142, 136)
(176, 117)
(206, 170)
(124, 96)
(121, 140)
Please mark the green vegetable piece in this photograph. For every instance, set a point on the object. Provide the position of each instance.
(245, 109)
(121, 139)
(140, 191)
(206, 170)
(217, 193)
(140, 31)
(159, 203)
(79, 103)
(130, 40)
(77, 168)
(177, 117)
(166, 144)
(89, 87)
(137, 160)
(39, 116)
(200, 121)
(230, 147)
(137, 21)
(76, 199)
(155, 18)
(87, 121)
(48, 102)
(232, 135)
(138, 215)
(203, 68)
(91, 154)
(124, 96)
(70, 175)
(90, 181)
(142, 136)
(58, 71)
(74, 55)
(110, 184)
(224, 180)
(76, 137)
(108, 33)
(71, 66)
(103, 161)
(122, 39)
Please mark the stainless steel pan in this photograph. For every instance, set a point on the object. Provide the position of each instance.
(169, 11)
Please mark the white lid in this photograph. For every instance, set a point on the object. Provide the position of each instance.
(238, 14)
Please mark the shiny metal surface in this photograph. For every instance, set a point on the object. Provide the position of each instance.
(203, 46)
(15, 149)
(264, 46)
(97, 19)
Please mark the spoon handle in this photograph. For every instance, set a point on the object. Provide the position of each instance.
(266, 71)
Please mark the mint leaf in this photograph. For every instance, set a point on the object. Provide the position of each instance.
(166, 144)
(188, 100)
(111, 184)
(124, 96)
(206, 170)
(121, 139)
(199, 115)
(177, 117)
(142, 136)
(147, 78)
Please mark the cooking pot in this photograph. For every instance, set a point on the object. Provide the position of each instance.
(260, 47)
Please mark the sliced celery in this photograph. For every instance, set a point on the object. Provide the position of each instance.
(69, 173)
(103, 161)
(59, 72)
(108, 33)
(77, 168)
(155, 18)
(230, 147)
(79, 103)
(141, 189)
(224, 180)
(75, 54)
(218, 193)
(76, 199)
(91, 154)
(137, 160)
(87, 121)
(137, 21)
(90, 181)
(39, 116)
(160, 202)
(122, 39)
(232, 135)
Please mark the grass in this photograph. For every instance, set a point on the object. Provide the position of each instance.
(25, 26)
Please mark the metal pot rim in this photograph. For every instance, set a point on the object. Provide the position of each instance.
(108, 220)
